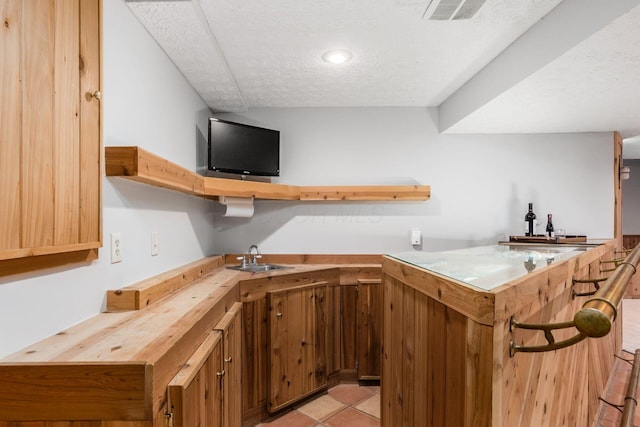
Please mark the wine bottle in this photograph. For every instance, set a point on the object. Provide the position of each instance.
(549, 225)
(530, 221)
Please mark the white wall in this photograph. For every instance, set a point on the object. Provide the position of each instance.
(147, 103)
(631, 199)
(480, 184)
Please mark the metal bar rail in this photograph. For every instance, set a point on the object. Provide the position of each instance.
(599, 312)
(596, 316)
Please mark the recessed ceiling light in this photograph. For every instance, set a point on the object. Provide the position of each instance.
(337, 56)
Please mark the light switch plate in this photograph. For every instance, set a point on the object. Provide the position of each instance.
(154, 243)
(416, 236)
(116, 248)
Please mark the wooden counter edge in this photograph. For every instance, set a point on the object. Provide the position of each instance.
(92, 390)
(147, 291)
(475, 303)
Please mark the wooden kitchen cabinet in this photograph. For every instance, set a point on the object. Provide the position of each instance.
(369, 328)
(231, 328)
(206, 392)
(195, 393)
(50, 127)
(297, 337)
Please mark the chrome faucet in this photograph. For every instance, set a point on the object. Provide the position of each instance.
(256, 256)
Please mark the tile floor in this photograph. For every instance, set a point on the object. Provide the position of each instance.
(631, 324)
(345, 405)
(350, 405)
(617, 387)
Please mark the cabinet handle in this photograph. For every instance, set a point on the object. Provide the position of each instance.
(278, 315)
(220, 374)
(228, 360)
(96, 95)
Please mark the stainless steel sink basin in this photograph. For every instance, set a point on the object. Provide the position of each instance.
(257, 268)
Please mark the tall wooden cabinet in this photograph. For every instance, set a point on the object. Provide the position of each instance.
(50, 144)
(297, 334)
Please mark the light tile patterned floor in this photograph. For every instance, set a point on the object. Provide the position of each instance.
(345, 405)
(631, 324)
(617, 387)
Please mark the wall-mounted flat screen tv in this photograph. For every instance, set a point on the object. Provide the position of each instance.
(243, 149)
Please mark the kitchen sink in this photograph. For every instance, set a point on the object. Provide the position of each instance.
(257, 268)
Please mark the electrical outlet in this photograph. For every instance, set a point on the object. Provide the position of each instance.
(116, 248)
(154, 243)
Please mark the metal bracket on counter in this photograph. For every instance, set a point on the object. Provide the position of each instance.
(596, 285)
(595, 318)
(548, 329)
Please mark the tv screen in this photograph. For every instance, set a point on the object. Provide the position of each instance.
(243, 149)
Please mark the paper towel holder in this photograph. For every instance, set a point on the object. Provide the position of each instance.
(237, 206)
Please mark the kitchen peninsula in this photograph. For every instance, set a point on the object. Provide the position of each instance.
(447, 357)
(175, 346)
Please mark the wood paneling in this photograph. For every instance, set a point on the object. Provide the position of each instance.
(37, 124)
(10, 125)
(466, 299)
(91, 157)
(297, 336)
(66, 132)
(369, 328)
(349, 326)
(427, 347)
(440, 367)
(254, 362)
(50, 144)
(76, 424)
(617, 189)
(334, 342)
(91, 391)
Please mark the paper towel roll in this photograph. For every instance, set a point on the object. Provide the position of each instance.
(239, 211)
(241, 207)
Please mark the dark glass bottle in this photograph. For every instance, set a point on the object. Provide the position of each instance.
(549, 225)
(530, 219)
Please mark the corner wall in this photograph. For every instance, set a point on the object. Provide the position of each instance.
(480, 184)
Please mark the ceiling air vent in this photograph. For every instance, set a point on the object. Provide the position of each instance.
(445, 10)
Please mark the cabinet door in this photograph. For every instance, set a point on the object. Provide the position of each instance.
(50, 145)
(297, 337)
(195, 393)
(369, 329)
(231, 328)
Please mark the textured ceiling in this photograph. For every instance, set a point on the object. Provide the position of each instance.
(505, 70)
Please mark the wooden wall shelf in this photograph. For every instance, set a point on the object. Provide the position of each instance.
(137, 164)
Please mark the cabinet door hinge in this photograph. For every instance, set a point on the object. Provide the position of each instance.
(168, 419)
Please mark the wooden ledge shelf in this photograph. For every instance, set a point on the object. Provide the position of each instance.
(137, 164)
